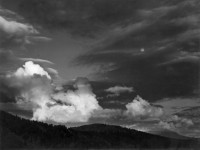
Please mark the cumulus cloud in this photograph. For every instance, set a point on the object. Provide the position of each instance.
(70, 106)
(31, 69)
(117, 90)
(33, 85)
(80, 104)
(139, 108)
(27, 82)
(175, 123)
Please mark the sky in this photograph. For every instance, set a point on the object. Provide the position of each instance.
(133, 63)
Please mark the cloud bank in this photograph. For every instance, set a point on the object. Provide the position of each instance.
(33, 87)
(182, 125)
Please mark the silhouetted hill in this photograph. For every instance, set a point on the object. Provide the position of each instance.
(21, 133)
(104, 128)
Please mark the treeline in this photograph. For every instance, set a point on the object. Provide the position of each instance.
(16, 132)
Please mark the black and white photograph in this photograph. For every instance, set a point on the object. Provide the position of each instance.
(99, 74)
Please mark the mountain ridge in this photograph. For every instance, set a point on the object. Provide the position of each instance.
(22, 133)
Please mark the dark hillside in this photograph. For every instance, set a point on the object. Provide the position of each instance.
(21, 133)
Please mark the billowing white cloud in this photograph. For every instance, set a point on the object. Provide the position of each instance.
(31, 69)
(139, 108)
(34, 85)
(117, 90)
(70, 106)
(30, 83)
(79, 105)
(175, 122)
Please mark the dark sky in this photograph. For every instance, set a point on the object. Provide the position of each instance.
(123, 47)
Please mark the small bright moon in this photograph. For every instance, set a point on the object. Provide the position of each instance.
(142, 49)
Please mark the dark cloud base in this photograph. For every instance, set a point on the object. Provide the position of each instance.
(82, 17)
(158, 54)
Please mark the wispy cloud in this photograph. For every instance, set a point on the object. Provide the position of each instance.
(175, 105)
(169, 41)
(117, 90)
(13, 32)
(37, 60)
